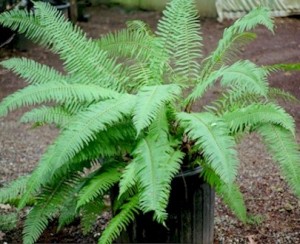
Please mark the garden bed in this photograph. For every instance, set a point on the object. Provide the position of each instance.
(266, 193)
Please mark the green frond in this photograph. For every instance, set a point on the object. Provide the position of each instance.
(139, 26)
(90, 213)
(258, 16)
(141, 47)
(56, 115)
(128, 177)
(141, 75)
(258, 114)
(232, 196)
(180, 38)
(116, 140)
(211, 136)
(67, 213)
(78, 134)
(157, 164)
(81, 56)
(247, 76)
(26, 23)
(285, 151)
(243, 74)
(160, 125)
(32, 72)
(59, 92)
(234, 98)
(150, 99)
(49, 203)
(230, 193)
(235, 37)
(228, 49)
(202, 86)
(8, 221)
(108, 175)
(275, 93)
(119, 222)
(13, 190)
(128, 43)
(282, 67)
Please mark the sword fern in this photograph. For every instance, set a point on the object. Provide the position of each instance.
(126, 102)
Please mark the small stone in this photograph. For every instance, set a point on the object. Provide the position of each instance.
(289, 207)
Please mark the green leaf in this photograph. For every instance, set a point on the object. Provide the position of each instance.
(59, 92)
(243, 74)
(50, 201)
(13, 190)
(150, 100)
(180, 38)
(33, 72)
(211, 136)
(258, 114)
(119, 222)
(230, 193)
(90, 213)
(108, 175)
(157, 164)
(49, 115)
(285, 151)
(78, 134)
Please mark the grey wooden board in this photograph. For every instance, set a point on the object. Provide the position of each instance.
(233, 9)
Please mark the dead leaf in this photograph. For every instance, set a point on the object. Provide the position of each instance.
(1, 235)
(5, 206)
(251, 240)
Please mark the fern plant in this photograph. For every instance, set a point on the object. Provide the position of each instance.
(126, 114)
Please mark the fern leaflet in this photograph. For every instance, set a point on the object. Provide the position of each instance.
(211, 135)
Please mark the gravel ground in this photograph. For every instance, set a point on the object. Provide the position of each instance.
(266, 193)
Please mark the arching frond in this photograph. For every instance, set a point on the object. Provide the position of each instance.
(258, 16)
(67, 213)
(81, 56)
(211, 136)
(108, 175)
(26, 23)
(234, 37)
(230, 193)
(150, 99)
(8, 221)
(246, 75)
(33, 72)
(229, 47)
(128, 43)
(128, 177)
(90, 213)
(179, 30)
(59, 92)
(56, 115)
(243, 74)
(234, 98)
(13, 190)
(256, 114)
(285, 150)
(139, 26)
(49, 202)
(276, 93)
(120, 221)
(78, 134)
(157, 164)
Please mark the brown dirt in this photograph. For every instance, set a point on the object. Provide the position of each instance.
(266, 193)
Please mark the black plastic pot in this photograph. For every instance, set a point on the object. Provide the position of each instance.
(191, 215)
